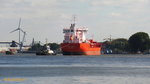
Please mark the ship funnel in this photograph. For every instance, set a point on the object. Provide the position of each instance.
(72, 26)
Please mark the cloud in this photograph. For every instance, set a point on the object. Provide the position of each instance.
(82, 0)
(121, 8)
(65, 16)
(28, 8)
(113, 14)
(130, 5)
(117, 2)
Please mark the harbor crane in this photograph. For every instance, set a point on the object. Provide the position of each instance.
(24, 34)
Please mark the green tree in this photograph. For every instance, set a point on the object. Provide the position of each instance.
(139, 42)
(35, 47)
(119, 45)
(54, 46)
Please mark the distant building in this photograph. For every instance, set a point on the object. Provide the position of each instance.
(6, 46)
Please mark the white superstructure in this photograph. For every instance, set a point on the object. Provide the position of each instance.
(74, 35)
(49, 51)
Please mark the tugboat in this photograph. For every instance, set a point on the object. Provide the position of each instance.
(75, 42)
(45, 50)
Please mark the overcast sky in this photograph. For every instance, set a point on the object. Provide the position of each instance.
(43, 19)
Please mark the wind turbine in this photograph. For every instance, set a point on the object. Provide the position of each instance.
(20, 30)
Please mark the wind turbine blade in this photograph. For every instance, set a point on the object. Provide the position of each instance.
(14, 30)
(21, 30)
(19, 23)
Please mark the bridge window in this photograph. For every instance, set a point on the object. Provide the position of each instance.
(72, 30)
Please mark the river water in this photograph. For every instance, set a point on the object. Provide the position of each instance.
(104, 69)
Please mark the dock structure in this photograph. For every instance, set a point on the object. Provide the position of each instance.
(8, 43)
(5, 46)
(11, 44)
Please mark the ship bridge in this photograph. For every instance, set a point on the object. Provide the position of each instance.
(74, 35)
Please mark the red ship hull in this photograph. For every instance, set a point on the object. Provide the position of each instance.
(80, 49)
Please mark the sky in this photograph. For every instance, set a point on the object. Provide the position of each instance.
(45, 19)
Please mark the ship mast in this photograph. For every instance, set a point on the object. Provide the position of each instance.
(73, 23)
(74, 18)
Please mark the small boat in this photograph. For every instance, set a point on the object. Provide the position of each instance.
(45, 50)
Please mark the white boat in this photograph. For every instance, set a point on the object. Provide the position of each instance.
(45, 50)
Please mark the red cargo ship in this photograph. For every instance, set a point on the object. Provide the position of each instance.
(75, 42)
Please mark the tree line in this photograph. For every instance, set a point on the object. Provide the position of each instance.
(53, 46)
(137, 43)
